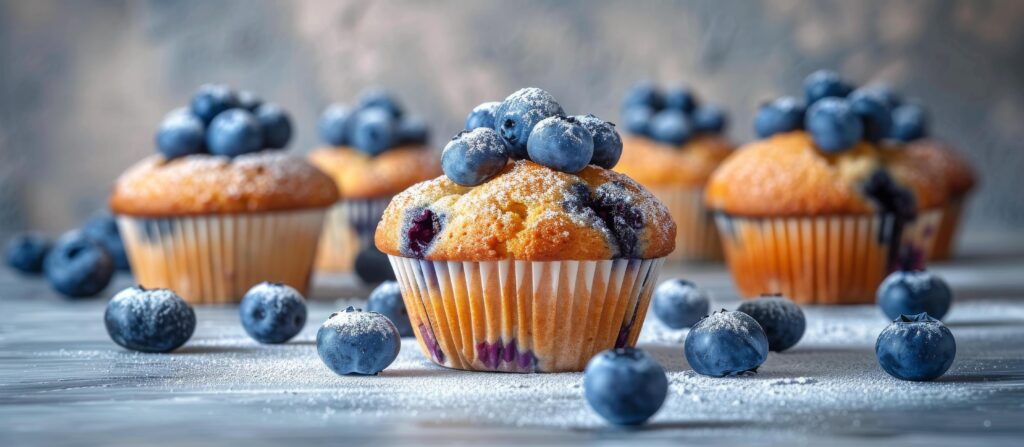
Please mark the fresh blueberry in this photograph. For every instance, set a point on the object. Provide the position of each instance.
(638, 119)
(726, 344)
(155, 320)
(357, 342)
(375, 131)
(474, 156)
(916, 347)
(709, 119)
(102, 227)
(833, 125)
(873, 112)
(25, 252)
(914, 292)
(681, 99)
(249, 100)
(78, 266)
(181, 133)
(381, 99)
(413, 130)
(782, 320)
(781, 115)
(679, 303)
(607, 142)
(671, 127)
(276, 125)
(234, 132)
(516, 117)
(482, 115)
(909, 122)
(272, 312)
(626, 386)
(386, 300)
(824, 84)
(335, 125)
(561, 143)
(212, 99)
(883, 93)
(372, 267)
(643, 93)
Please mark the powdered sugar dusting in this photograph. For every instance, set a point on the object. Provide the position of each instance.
(353, 322)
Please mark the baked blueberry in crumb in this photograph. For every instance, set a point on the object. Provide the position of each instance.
(671, 127)
(833, 124)
(638, 120)
(678, 303)
(272, 312)
(475, 156)
(891, 199)
(181, 133)
(607, 142)
(275, 124)
(625, 386)
(824, 84)
(211, 100)
(726, 344)
(357, 342)
(386, 300)
(912, 293)
(335, 125)
(423, 225)
(102, 227)
(375, 131)
(782, 320)
(916, 347)
(709, 119)
(234, 132)
(519, 113)
(610, 206)
(149, 320)
(781, 115)
(78, 266)
(909, 123)
(561, 143)
(372, 267)
(482, 115)
(25, 252)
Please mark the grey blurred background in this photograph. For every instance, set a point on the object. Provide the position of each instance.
(83, 84)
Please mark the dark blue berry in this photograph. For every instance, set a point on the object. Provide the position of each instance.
(213, 99)
(782, 320)
(726, 344)
(276, 125)
(413, 130)
(382, 99)
(181, 133)
(517, 115)
(25, 252)
(909, 123)
(679, 303)
(709, 119)
(611, 207)
(561, 143)
(357, 342)
(386, 300)
(681, 99)
(482, 115)
(875, 114)
(671, 127)
(421, 228)
(643, 93)
(272, 312)
(781, 115)
(249, 100)
(78, 266)
(375, 131)
(833, 125)
(914, 292)
(372, 267)
(824, 84)
(474, 156)
(607, 142)
(883, 93)
(335, 125)
(638, 120)
(234, 132)
(916, 347)
(149, 320)
(626, 386)
(102, 227)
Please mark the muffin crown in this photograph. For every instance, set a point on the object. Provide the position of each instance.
(939, 157)
(656, 164)
(362, 176)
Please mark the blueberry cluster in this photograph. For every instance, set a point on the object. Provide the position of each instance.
(375, 124)
(222, 121)
(838, 115)
(529, 124)
(672, 116)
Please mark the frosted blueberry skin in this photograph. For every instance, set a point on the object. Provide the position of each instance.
(482, 115)
(917, 347)
(781, 115)
(824, 84)
(335, 124)
(181, 133)
(211, 100)
(909, 123)
(275, 124)
(102, 227)
(25, 252)
(833, 124)
(517, 115)
(782, 320)
(272, 312)
(372, 267)
(607, 142)
(671, 127)
(375, 131)
(413, 130)
(912, 293)
(875, 114)
(472, 157)
(380, 98)
(681, 99)
(149, 320)
(234, 132)
(561, 143)
(78, 266)
(638, 120)
(386, 300)
(643, 93)
(726, 344)
(626, 386)
(679, 304)
(357, 342)
(709, 119)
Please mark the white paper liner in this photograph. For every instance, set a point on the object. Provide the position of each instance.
(697, 236)
(523, 316)
(215, 259)
(350, 225)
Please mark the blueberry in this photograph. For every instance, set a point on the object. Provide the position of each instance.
(181, 133)
(413, 130)
(516, 117)
(833, 125)
(357, 342)
(914, 292)
(909, 123)
(681, 99)
(149, 320)
(78, 266)
(234, 132)
(643, 93)
(249, 100)
(561, 143)
(679, 303)
(638, 119)
(276, 125)
(25, 252)
(102, 227)
(612, 208)
(372, 267)
(212, 99)
(709, 119)
(375, 131)
(782, 320)
(781, 115)
(474, 156)
(386, 300)
(626, 386)
(335, 125)
(482, 115)
(873, 112)
(419, 231)
(916, 347)
(272, 312)
(726, 344)
(883, 93)
(381, 99)
(607, 142)
(671, 127)
(824, 84)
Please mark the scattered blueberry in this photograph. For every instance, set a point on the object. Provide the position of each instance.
(607, 142)
(833, 124)
(234, 132)
(102, 227)
(272, 312)
(372, 267)
(276, 125)
(781, 115)
(482, 115)
(149, 320)
(645, 94)
(726, 344)
(909, 122)
(626, 386)
(873, 112)
(516, 117)
(914, 292)
(357, 342)
(382, 99)
(474, 156)
(916, 347)
(181, 133)
(782, 320)
(25, 252)
(78, 266)
(681, 99)
(375, 131)
(671, 127)
(561, 143)
(638, 119)
(335, 125)
(824, 84)
(249, 100)
(413, 130)
(386, 300)
(709, 119)
(211, 100)
(679, 303)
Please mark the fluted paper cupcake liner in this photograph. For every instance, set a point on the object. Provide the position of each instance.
(524, 316)
(349, 227)
(921, 238)
(697, 236)
(944, 240)
(215, 259)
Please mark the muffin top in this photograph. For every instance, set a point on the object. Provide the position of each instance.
(944, 162)
(656, 164)
(210, 184)
(361, 176)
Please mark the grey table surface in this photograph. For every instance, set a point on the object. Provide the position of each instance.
(63, 382)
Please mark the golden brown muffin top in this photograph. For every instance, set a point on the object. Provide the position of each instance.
(941, 159)
(655, 164)
(209, 184)
(528, 212)
(362, 176)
